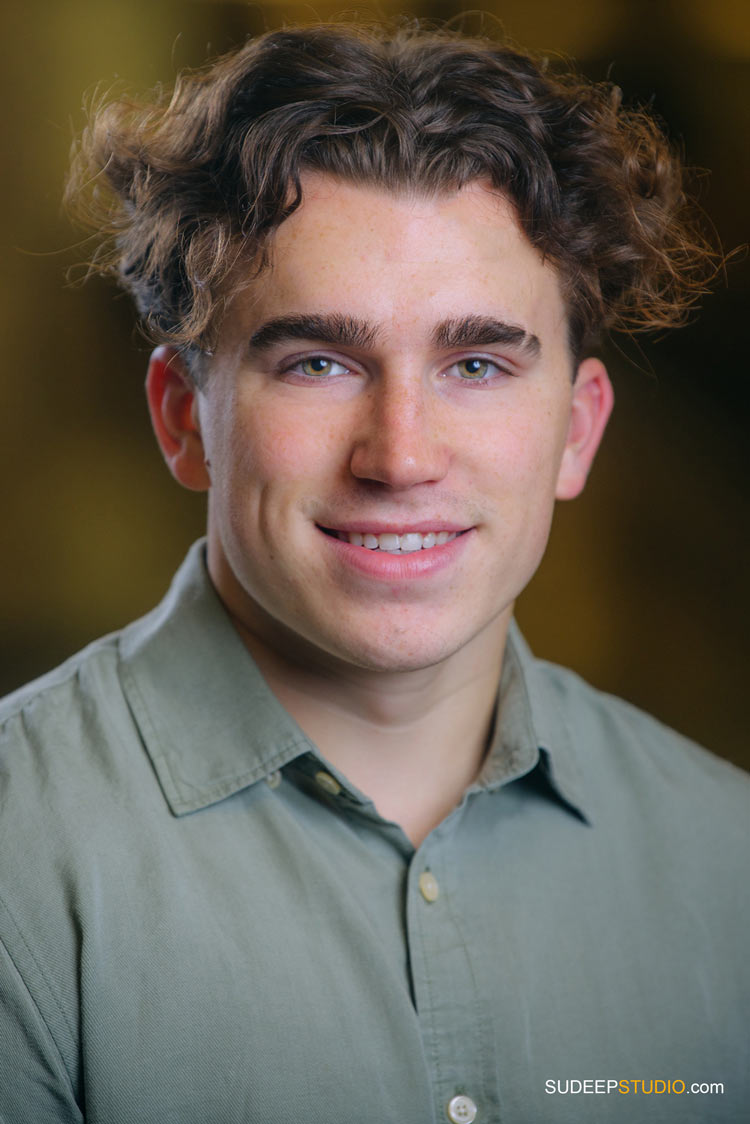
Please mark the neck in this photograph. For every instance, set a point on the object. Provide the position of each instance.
(411, 741)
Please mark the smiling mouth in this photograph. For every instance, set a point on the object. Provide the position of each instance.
(389, 543)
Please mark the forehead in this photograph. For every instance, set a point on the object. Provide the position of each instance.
(404, 261)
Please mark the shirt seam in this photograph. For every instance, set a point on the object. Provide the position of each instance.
(31, 996)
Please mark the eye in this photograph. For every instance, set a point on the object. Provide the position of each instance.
(475, 369)
(318, 366)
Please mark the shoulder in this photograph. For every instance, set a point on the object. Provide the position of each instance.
(631, 758)
(66, 709)
(68, 742)
(72, 774)
(61, 680)
(75, 695)
(73, 778)
(55, 708)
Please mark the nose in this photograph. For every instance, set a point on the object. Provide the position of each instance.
(400, 439)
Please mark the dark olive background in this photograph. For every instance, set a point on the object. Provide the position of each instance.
(644, 588)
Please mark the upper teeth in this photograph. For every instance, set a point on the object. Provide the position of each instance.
(398, 544)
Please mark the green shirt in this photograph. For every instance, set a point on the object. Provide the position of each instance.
(203, 922)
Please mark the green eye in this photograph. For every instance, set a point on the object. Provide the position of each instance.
(317, 365)
(473, 368)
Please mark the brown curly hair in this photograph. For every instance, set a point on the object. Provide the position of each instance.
(188, 186)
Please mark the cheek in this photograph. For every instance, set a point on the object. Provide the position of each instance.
(521, 457)
(279, 447)
(273, 454)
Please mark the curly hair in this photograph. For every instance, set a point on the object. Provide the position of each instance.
(188, 186)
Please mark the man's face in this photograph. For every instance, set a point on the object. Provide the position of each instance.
(400, 369)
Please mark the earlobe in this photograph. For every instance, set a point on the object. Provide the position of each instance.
(593, 399)
(172, 404)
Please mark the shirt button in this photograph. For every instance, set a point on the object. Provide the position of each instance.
(461, 1110)
(430, 891)
(328, 783)
(273, 780)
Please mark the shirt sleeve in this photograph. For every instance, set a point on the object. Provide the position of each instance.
(35, 1087)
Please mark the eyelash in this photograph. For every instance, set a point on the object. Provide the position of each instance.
(498, 369)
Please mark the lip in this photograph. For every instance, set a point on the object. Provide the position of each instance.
(395, 568)
(378, 527)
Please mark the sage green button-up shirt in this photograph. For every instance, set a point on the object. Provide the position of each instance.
(203, 922)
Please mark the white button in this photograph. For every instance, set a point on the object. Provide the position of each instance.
(328, 783)
(461, 1110)
(273, 780)
(428, 886)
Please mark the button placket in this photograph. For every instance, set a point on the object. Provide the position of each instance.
(445, 982)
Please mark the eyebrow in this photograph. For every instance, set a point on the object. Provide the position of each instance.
(342, 331)
(479, 331)
(348, 331)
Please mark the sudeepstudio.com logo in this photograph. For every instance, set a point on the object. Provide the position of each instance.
(632, 1086)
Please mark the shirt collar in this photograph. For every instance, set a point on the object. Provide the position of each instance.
(530, 732)
(212, 726)
(209, 722)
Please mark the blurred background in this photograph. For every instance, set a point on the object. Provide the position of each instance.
(644, 589)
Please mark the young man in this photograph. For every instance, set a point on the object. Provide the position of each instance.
(318, 839)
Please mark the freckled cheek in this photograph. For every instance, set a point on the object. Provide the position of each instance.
(281, 449)
(515, 460)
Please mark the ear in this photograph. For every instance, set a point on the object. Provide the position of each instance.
(593, 399)
(173, 405)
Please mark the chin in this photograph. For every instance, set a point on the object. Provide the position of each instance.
(396, 654)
